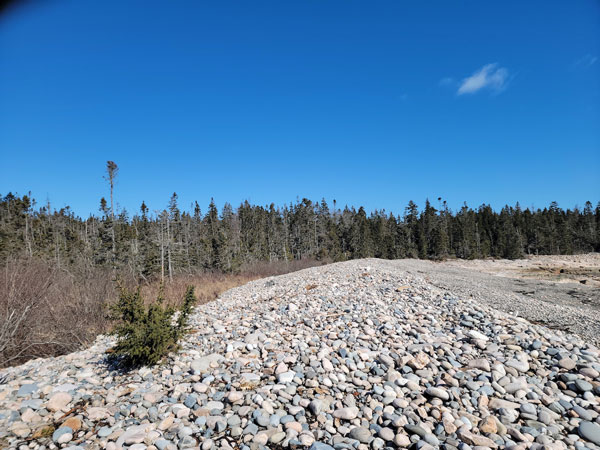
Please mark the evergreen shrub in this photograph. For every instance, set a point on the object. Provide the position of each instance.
(145, 335)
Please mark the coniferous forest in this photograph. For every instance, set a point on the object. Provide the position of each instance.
(175, 241)
(60, 272)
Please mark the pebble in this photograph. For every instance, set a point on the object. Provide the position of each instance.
(477, 335)
(349, 413)
(387, 434)
(480, 363)
(583, 385)
(59, 401)
(437, 392)
(590, 431)
(402, 440)
(62, 435)
(286, 377)
(566, 363)
(361, 434)
(27, 389)
(375, 361)
(74, 423)
(320, 446)
(520, 366)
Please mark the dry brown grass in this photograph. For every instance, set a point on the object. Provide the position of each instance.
(48, 311)
(209, 285)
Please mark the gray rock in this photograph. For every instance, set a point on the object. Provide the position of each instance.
(590, 431)
(34, 403)
(387, 434)
(251, 429)
(203, 364)
(361, 434)
(276, 438)
(27, 389)
(528, 408)
(316, 407)
(582, 412)
(105, 431)
(437, 392)
(190, 401)
(320, 446)
(431, 439)
(520, 366)
(286, 377)
(62, 435)
(187, 442)
(377, 444)
(262, 421)
(583, 385)
(415, 429)
(212, 405)
(349, 413)
(161, 444)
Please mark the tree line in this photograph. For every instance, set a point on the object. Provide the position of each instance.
(172, 241)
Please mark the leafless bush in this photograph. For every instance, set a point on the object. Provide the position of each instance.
(46, 311)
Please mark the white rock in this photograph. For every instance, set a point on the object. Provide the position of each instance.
(477, 335)
(286, 377)
(205, 363)
(349, 413)
(59, 401)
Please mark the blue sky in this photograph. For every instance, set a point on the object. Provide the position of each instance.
(369, 103)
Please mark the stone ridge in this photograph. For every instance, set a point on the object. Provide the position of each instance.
(350, 355)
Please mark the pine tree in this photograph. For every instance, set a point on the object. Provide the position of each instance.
(171, 241)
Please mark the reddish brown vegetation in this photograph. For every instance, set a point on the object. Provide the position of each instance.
(49, 311)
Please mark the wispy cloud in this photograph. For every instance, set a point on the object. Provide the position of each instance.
(584, 62)
(490, 76)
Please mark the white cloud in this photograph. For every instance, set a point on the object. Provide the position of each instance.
(489, 76)
(587, 61)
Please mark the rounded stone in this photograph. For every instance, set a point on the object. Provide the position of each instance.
(431, 439)
(320, 446)
(437, 392)
(361, 434)
(402, 440)
(377, 444)
(567, 363)
(62, 435)
(583, 385)
(73, 423)
(349, 413)
(59, 401)
(276, 438)
(387, 434)
(590, 431)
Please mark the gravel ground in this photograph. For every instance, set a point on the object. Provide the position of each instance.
(583, 268)
(571, 307)
(358, 355)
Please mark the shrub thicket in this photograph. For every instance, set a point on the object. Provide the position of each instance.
(147, 334)
(46, 310)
